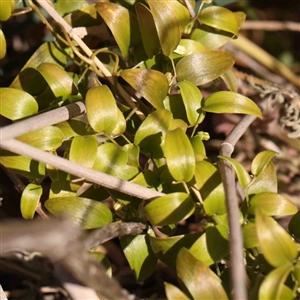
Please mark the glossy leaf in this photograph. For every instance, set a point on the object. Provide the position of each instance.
(198, 147)
(197, 278)
(64, 7)
(261, 160)
(154, 127)
(101, 109)
(192, 99)
(85, 212)
(211, 246)
(122, 23)
(187, 47)
(139, 254)
(167, 26)
(220, 18)
(59, 81)
(209, 183)
(29, 200)
(47, 138)
(148, 29)
(276, 244)
(229, 102)
(169, 209)
(46, 53)
(203, 67)
(151, 84)
(72, 128)
(209, 37)
(230, 80)
(174, 103)
(121, 124)
(272, 204)
(16, 104)
(294, 227)
(2, 45)
(174, 292)
(266, 181)
(250, 235)
(242, 175)
(273, 286)
(6, 10)
(84, 150)
(133, 153)
(22, 165)
(180, 12)
(179, 154)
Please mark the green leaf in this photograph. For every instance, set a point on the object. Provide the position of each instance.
(154, 127)
(294, 227)
(104, 261)
(47, 138)
(276, 244)
(16, 104)
(122, 23)
(242, 175)
(121, 124)
(198, 147)
(211, 246)
(174, 292)
(169, 209)
(64, 7)
(179, 154)
(192, 99)
(133, 153)
(167, 26)
(83, 150)
(151, 84)
(22, 165)
(230, 102)
(273, 286)
(139, 254)
(59, 81)
(187, 47)
(272, 204)
(7, 7)
(220, 18)
(203, 67)
(30, 199)
(261, 160)
(209, 183)
(148, 179)
(148, 29)
(230, 80)
(174, 103)
(72, 128)
(266, 181)
(210, 37)
(197, 279)
(46, 53)
(85, 212)
(101, 109)
(2, 45)
(250, 235)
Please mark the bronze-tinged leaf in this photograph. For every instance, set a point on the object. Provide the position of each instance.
(203, 67)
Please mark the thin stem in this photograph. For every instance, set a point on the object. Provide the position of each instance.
(238, 273)
(271, 25)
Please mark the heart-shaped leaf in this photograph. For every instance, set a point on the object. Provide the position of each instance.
(203, 67)
(101, 109)
(242, 175)
(192, 99)
(179, 154)
(261, 160)
(85, 212)
(230, 102)
(276, 244)
(151, 84)
(139, 254)
(170, 209)
(30, 199)
(122, 23)
(273, 286)
(83, 150)
(148, 29)
(197, 279)
(272, 204)
(47, 138)
(16, 104)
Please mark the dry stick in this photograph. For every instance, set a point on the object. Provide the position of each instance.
(45, 119)
(78, 170)
(52, 12)
(271, 25)
(238, 273)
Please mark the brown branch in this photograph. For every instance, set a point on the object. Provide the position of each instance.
(271, 25)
